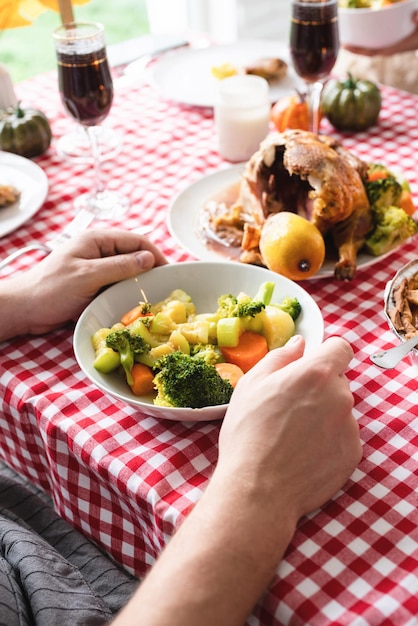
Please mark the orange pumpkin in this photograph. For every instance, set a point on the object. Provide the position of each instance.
(290, 112)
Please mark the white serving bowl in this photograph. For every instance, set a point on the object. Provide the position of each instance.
(204, 282)
(377, 28)
(406, 271)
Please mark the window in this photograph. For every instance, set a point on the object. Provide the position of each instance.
(29, 50)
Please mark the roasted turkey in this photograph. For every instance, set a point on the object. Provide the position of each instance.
(314, 176)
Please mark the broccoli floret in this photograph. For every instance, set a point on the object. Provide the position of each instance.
(233, 306)
(291, 306)
(378, 167)
(392, 227)
(384, 192)
(128, 345)
(355, 4)
(243, 305)
(209, 352)
(186, 381)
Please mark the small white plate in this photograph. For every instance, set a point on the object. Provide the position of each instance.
(186, 77)
(32, 183)
(185, 210)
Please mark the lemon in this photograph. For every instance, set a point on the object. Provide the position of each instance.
(224, 70)
(292, 246)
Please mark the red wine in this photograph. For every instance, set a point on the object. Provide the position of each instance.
(85, 85)
(314, 40)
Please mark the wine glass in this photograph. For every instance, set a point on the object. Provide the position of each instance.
(314, 45)
(75, 145)
(86, 89)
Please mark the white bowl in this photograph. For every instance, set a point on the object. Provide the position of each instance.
(406, 271)
(377, 28)
(205, 282)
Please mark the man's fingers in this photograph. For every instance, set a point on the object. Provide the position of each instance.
(336, 352)
(279, 358)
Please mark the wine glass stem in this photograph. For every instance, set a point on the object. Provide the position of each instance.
(314, 104)
(94, 135)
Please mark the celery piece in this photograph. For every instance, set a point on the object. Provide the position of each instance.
(229, 330)
(106, 360)
(265, 292)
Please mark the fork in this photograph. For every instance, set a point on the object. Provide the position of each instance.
(81, 221)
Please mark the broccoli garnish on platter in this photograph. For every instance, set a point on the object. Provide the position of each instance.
(392, 227)
(188, 381)
(291, 306)
(384, 192)
(128, 345)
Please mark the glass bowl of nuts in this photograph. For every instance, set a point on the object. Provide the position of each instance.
(401, 304)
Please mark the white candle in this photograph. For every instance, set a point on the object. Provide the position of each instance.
(242, 116)
(7, 93)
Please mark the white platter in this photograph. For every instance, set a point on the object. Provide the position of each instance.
(185, 210)
(186, 76)
(204, 282)
(32, 183)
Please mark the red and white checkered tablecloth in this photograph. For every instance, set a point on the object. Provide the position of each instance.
(127, 480)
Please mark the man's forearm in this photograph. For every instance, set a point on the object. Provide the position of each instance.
(217, 564)
(13, 309)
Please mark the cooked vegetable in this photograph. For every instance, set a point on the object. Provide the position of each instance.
(230, 372)
(392, 227)
(236, 314)
(229, 330)
(291, 306)
(387, 193)
(208, 352)
(406, 203)
(177, 295)
(127, 345)
(25, 132)
(179, 351)
(277, 326)
(142, 310)
(188, 381)
(142, 380)
(376, 171)
(384, 192)
(106, 360)
(351, 104)
(238, 306)
(250, 350)
(365, 4)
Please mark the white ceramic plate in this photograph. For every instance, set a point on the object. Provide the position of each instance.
(32, 183)
(204, 282)
(185, 210)
(186, 77)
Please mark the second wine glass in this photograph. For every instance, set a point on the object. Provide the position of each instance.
(314, 45)
(86, 89)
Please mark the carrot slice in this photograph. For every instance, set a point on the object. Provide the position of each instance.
(250, 349)
(406, 202)
(143, 378)
(132, 315)
(376, 175)
(230, 372)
